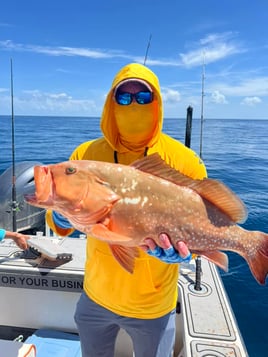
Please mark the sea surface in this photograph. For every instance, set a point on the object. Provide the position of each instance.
(234, 151)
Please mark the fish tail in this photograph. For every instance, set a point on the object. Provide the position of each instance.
(258, 263)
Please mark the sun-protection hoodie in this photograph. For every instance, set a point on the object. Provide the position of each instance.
(151, 291)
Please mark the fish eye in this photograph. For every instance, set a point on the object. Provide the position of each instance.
(70, 170)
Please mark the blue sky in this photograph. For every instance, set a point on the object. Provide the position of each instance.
(66, 53)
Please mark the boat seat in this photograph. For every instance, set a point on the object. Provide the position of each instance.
(55, 343)
(17, 349)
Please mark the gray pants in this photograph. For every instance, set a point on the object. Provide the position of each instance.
(98, 328)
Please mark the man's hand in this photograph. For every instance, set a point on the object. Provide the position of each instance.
(165, 251)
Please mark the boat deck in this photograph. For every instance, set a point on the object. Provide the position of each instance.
(36, 293)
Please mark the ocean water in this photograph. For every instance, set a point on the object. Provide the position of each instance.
(234, 151)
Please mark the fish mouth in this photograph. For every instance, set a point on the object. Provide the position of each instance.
(43, 195)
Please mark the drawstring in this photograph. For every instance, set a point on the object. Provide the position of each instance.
(116, 156)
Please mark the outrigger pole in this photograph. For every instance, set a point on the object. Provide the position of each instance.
(14, 204)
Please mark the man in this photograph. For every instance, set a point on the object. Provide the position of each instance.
(142, 303)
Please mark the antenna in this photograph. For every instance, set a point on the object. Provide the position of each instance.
(147, 49)
(14, 204)
(202, 106)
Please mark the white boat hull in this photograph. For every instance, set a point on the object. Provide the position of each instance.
(37, 294)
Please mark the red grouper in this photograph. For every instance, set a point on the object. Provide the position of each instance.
(123, 205)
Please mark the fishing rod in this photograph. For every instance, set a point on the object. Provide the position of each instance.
(14, 204)
(202, 108)
(147, 49)
(198, 269)
(188, 134)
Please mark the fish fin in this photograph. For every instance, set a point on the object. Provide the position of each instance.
(125, 256)
(212, 190)
(216, 257)
(100, 231)
(222, 197)
(259, 262)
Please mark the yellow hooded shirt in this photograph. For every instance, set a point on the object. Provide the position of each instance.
(151, 291)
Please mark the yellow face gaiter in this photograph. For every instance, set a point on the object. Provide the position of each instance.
(117, 122)
(136, 124)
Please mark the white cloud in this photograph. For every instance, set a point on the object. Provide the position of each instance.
(212, 48)
(62, 50)
(216, 37)
(218, 97)
(250, 87)
(217, 52)
(251, 101)
(171, 96)
(84, 52)
(35, 101)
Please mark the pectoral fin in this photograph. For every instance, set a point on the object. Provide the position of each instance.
(125, 256)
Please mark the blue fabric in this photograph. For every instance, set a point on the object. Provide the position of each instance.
(169, 255)
(55, 343)
(2, 234)
(61, 221)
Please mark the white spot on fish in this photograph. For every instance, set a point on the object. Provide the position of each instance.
(132, 201)
(124, 189)
(134, 184)
(165, 182)
(145, 200)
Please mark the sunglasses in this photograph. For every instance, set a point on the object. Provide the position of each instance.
(125, 98)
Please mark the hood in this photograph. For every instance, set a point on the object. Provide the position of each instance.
(108, 122)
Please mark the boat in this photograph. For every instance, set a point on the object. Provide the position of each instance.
(42, 294)
(39, 295)
(39, 298)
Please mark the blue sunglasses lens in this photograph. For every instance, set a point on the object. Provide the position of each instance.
(125, 98)
(144, 97)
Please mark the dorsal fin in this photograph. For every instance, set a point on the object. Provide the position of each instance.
(212, 190)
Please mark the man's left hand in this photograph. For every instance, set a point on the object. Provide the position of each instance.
(165, 251)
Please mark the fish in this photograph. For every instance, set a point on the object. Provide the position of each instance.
(123, 205)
